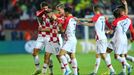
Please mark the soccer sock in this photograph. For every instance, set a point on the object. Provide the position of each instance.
(126, 63)
(44, 70)
(68, 58)
(130, 58)
(51, 65)
(74, 66)
(123, 63)
(36, 62)
(62, 68)
(108, 57)
(65, 63)
(109, 65)
(97, 64)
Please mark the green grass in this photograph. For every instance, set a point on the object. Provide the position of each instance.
(22, 64)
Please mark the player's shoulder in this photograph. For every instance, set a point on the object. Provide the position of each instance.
(96, 16)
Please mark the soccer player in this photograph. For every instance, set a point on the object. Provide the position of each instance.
(125, 13)
(53, 47)
(61, 18)
(43, 35)
(70, 42)
(101, 39)
(119, 41)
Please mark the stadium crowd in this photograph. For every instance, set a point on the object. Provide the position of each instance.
(13, 11)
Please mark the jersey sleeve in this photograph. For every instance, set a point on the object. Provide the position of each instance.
(94, 18)
(66, 22)
(131, 30)
(108, 24)
(39, 13)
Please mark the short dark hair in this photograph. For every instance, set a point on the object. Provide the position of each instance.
(116, 13)
(43, 4)
(96, 8)
(68, 9)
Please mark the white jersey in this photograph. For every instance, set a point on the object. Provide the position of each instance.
(121, 28)
(70, 40)
(119, 41)
(99, 26)
(70, 28)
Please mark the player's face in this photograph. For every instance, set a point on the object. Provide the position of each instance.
(45, 7)
(61, 10)
(122, 13)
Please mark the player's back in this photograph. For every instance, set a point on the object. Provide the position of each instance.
(100, 28)
(121, 28)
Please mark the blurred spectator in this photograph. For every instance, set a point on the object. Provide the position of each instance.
(2, 34)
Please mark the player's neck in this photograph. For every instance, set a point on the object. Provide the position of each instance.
(69, 15)
(97, 13)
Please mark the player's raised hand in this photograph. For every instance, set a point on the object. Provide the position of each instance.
(124, 2)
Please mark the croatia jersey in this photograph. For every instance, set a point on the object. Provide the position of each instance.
(54, 32)
(70, 40)
(119, 39)
(121, 26)
(45, 24)
(99, 21)
(70, 28)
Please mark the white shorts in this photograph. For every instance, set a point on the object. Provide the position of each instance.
(60, 40)
(41, 42)
(101, 46)
(70, 45)
(53, 48)
(118, 47)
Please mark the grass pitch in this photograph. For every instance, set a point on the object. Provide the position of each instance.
(22, 64)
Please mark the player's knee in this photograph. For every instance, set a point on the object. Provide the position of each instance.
(72, 56)
(103, 56)
(115, 56)
(97, 55)
(109, 50)
(62, 52)
(35, 52)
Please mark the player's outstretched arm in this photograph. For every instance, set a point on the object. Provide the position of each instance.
(44, 29)
(86, 24)
(126, 6)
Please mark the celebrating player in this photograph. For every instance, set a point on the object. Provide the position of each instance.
(53, 47)
(43, 35)
(101, 39)
(70, 41)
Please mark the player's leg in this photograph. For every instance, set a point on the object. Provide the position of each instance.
(108, 63)
(36, 61)
(46, 62)
(68, 58)
(102, 46)
(97, 64)
(74, 63)
(129, 58)
(36, 51)
(64, 61)
(121, 60)
(51, 66)
(62, 66)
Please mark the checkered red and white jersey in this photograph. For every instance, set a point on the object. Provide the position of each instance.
(46, 24)
(54, 32)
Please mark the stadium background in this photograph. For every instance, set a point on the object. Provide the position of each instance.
(18, 24)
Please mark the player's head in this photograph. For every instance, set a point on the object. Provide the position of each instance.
(116, 13)
(45, 6)
(122, 10)
(60, 7)
(68, 10)
(96, 9)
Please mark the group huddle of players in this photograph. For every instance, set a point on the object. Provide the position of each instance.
(56, 32)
